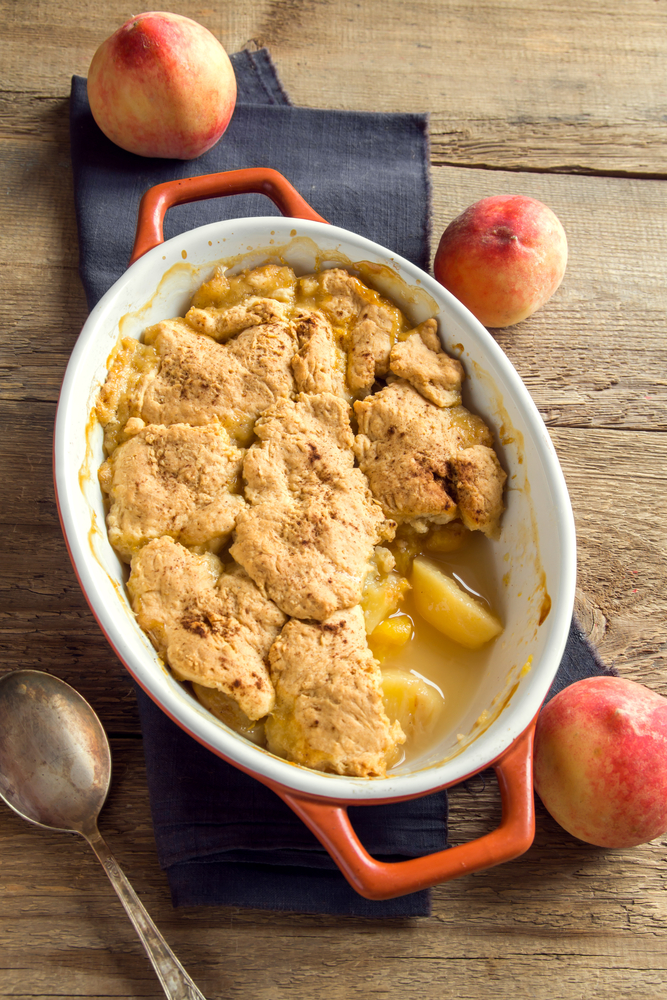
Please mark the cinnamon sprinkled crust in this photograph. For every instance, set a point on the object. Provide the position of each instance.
(309, 535)
(420, 459)
(176, 481)
(421, 360)
(372, 325)
(319, 364)
(199, 381)
(211, 625)
(223, 324)
(329, 713)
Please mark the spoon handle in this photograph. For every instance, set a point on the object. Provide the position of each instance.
(176, 983)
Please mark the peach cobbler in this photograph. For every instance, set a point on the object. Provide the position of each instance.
(277, 460)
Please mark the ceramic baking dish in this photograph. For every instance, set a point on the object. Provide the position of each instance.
(535, 556)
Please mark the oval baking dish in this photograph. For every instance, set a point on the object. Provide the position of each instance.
(534, 559)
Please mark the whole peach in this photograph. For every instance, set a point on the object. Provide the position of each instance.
(162, 85)
(503, 258)
(601, 761)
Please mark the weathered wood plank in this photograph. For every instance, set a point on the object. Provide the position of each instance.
(511, 85)
(34, 118)
(555, 144)
(39, 224)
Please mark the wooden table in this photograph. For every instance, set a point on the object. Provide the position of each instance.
(563, 101)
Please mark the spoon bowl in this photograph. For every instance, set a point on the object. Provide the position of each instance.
(55, 762)
(55, 771)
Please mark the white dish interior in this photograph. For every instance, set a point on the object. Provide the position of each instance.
(535, 552)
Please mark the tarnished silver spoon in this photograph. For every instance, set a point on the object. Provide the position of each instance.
(55, 771)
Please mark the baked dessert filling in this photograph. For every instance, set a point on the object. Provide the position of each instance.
(277, 459)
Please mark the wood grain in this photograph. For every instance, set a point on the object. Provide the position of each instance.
(564, 102)
(513, 84)
(563, 910)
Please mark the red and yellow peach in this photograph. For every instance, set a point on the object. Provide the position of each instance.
(503, 258)
(601, 761)
(162, 85)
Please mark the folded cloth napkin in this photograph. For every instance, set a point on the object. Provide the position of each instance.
(223, 838)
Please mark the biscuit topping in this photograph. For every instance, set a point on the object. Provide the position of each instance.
(258, 508)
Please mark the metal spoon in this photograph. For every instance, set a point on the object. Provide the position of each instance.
(55, 771)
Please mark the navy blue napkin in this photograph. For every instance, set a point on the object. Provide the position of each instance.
(365, 172)
(222, 837)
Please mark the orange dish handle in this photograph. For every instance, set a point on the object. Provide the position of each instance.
(381, 880)
(257, 180)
